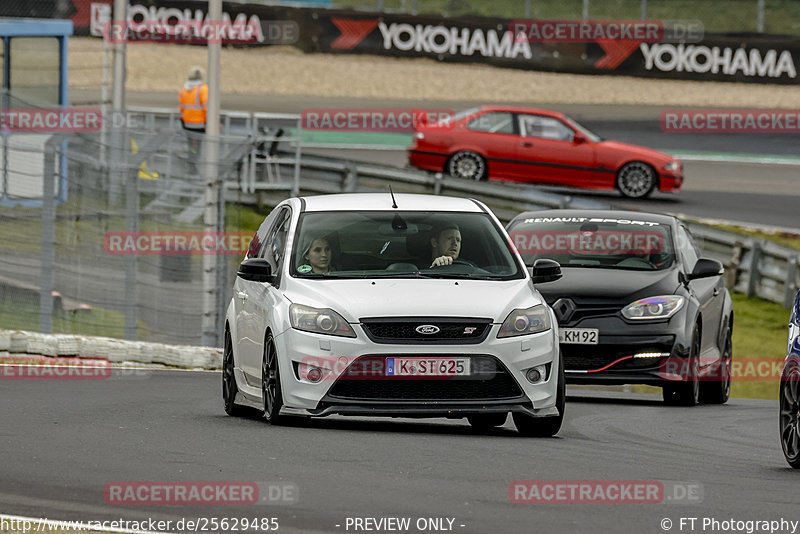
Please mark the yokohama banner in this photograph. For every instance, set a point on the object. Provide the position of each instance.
(742, 58)
(629, 48)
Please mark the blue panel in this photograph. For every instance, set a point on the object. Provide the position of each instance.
(35, 27)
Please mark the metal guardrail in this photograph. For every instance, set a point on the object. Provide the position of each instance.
(755, 267)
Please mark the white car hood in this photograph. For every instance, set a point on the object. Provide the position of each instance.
(357, 299)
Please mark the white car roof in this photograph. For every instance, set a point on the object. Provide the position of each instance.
(383, 202)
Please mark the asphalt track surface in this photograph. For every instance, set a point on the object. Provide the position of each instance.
(752, 192)
(63, 441)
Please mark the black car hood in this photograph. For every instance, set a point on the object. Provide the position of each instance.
(609, 286)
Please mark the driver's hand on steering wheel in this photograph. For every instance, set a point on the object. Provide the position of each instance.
(442, 260)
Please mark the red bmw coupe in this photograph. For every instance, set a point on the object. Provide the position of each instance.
(539, 146)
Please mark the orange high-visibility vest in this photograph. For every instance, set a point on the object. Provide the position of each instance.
(193, 104)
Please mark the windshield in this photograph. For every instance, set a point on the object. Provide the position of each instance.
(584, 130)
(603, 243)
(396, 244)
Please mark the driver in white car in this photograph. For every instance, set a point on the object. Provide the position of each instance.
(445, 244)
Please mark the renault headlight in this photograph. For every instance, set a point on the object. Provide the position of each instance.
(319, 321)
(653, 308)
(523, 322)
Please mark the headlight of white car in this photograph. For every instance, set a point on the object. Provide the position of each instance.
(672, 166)
(319, 321)
(523, 322)
(660, 307)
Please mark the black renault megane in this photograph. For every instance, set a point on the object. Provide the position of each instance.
(636, 303)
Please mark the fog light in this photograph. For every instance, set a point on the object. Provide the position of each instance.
(651, 355)
(314, 374)
(536, 374)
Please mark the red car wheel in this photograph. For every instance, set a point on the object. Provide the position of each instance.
(468, 165)
(636, 179)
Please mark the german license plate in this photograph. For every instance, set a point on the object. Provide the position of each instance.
(578, 336)
(427, 366)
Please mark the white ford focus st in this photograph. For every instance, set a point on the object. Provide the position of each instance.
(403, 306)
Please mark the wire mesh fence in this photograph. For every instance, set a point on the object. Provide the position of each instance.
(108, 237)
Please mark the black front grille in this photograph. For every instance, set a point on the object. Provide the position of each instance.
(405, 330)
(594, 357)
(584, 312)
(489, 381)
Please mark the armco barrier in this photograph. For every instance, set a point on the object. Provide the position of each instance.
(755, 267)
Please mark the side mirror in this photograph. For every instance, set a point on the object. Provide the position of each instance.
(579, 138)
(256, 270)
(706, 268)
(545, 270)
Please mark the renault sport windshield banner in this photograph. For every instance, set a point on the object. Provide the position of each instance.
(649, 48)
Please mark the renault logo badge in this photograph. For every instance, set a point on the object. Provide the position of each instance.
(564, 308)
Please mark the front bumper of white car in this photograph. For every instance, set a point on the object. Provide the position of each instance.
(497, 382)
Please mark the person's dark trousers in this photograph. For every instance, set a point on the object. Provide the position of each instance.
(194, 137)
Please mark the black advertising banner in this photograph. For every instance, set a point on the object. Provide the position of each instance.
(494, 41)
(719, 57)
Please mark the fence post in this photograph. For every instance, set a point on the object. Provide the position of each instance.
(131, 225)
(585, 15)
(755, 274)
(48, 237)
(298, 155)
(437, 183)
(732, 276)
(350, 178)
(791, 282)
(760, 16)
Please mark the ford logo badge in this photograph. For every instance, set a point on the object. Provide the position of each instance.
(427, 329)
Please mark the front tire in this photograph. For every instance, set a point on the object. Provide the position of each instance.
(271, 393)
(686, 393)
(229, 387)
(545, 427)
(790, 416)
(467, 165)
(636, 179)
